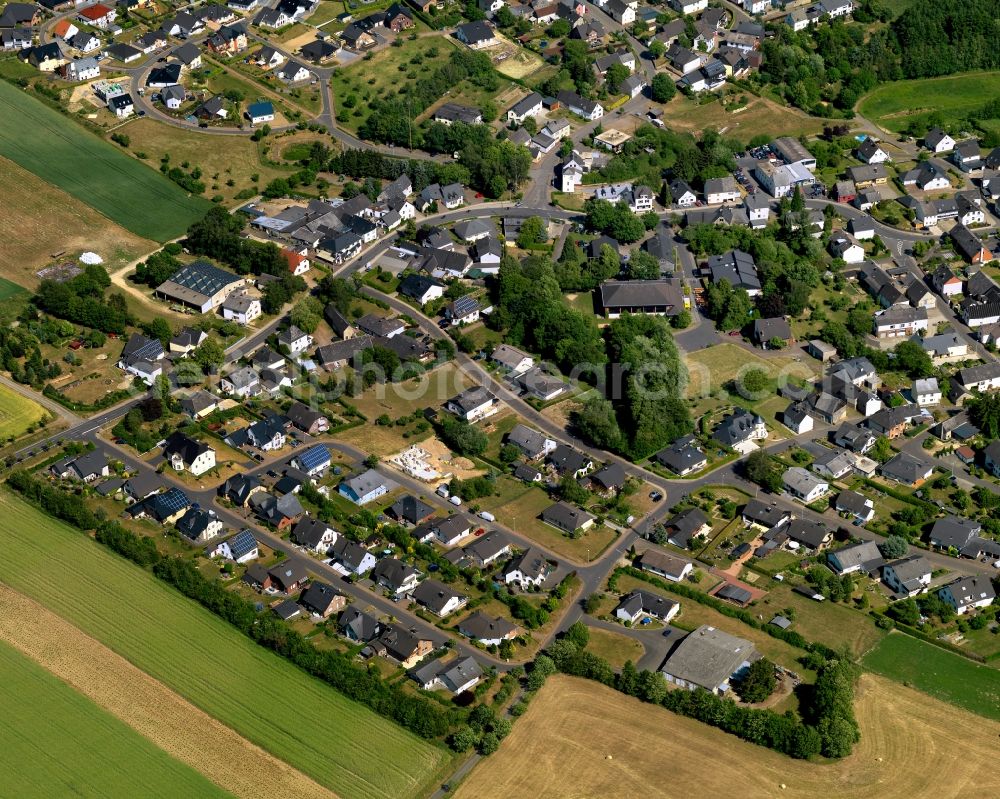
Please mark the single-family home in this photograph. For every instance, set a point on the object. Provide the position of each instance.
(438, 598)
(663, 565)
(473, 405)
(399, 577)
(487, 630)
(908, 576)
(315, 535)
(528, 570)
(365, 487)
(861, 557)
(567, 518)
(969, 593)
(184, 452)
(638, 604)
(710, 659)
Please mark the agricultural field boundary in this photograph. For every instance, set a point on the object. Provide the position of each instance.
(146, 705)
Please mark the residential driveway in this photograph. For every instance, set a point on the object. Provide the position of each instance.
(657, 643)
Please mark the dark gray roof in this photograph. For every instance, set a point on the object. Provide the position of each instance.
(708, 657)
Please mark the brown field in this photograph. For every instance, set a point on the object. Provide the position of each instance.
(149, 707)
(46, 220)
(759, 114)
(909, 748)
(228, 157)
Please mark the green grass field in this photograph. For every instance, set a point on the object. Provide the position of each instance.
(46, 143)
(896, 106)
(9, 289)
(337, 742)
(934, 671)
(56, 742)
(17, 413)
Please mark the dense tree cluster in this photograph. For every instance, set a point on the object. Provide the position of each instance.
(826, 69)
(530, 309)
(82, 300)
(217, 235)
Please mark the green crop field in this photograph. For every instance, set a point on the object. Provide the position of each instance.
(17, 413)
(934, 671)
(337, 742)
(56, 742)
(896, 106)
(57, 150)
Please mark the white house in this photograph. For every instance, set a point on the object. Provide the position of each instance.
(908, 576)
(296, 340)
(473, 405)
(804, 485)
(689, 6)
(937, 141)
(756, 6)
(528, 570)
(969, 593)
(184, 452)
(846, 247)
(926, 391)
(241, 308)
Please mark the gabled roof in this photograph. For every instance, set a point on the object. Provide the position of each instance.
(708, 657)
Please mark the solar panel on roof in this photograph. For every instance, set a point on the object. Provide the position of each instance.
(315, 456)
(242, 543)
(172, 501)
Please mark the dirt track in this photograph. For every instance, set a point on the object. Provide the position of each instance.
(912, 747)
(146, 705)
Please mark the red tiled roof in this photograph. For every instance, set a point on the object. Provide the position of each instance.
(96, 12)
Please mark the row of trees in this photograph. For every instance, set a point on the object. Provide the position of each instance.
(829, 727)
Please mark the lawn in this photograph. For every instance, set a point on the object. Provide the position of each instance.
(614, 647)
(46, 143)
(256, 693)
(9, 290)
(830, 623)
(941, 674)
(233, 158)
(17, 413)
(759, 115)
(51, 223)
(430, 389)
(896, 106)
(714, 366)
(581, 738)
(519, 505)
(56, 742)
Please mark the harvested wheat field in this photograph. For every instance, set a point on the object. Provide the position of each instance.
(912, 746)
(49, 221)
(147, 706)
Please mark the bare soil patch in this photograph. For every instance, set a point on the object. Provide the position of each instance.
(149, 707)
(581, 739)
(45, 221)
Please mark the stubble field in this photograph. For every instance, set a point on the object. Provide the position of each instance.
(49, 221)
(911, 746)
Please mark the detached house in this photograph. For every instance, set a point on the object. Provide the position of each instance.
(438, 598)
(184, 452)
(314, 535)
(473, 405)
(908, 576)
(968, 593)
(528, 570)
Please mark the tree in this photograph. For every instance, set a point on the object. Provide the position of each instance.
(533, 231)
(913, 359)
(597, 423)
(578, 633)
(754, 380)
(663, 88)
(882, 450)
(642, 266)
(984, 411)
(657, 49)
(894, 547)
(159, 329)
(614, 76)
(151, 409)
(209, 354)
(463, 437)
(757, 683)
(306, 314)
(764, 470)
